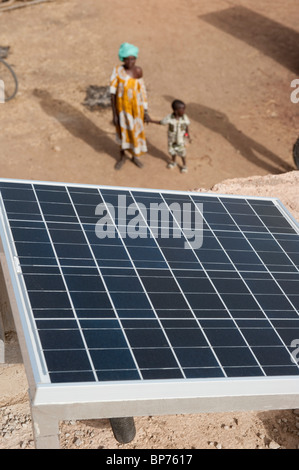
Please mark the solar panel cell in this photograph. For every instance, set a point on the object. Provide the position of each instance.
(243, 371)
(196, 357)
(48, 299)
(44, 282)
(236, 356)
(72, 360)
(203, 373)
(61, 339)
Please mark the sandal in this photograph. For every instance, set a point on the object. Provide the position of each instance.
(137, 162)
(119, 164)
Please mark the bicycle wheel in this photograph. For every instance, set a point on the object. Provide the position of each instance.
(9, 80)
(296, 153)
(6, 3)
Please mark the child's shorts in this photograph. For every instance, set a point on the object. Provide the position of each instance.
(177, 149)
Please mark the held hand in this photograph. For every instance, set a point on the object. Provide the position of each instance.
(116, 120)
(147, 118)
(187, 136)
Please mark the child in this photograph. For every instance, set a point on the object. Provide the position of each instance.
(178, 128)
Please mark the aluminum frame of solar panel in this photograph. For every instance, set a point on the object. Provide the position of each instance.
(151, 394)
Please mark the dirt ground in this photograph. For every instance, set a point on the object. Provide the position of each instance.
(232, 62)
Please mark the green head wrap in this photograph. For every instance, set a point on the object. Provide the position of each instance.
(126, 50)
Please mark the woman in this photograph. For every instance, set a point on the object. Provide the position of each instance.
(129, 105)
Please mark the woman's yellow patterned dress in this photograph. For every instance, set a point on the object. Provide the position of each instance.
(131, 103)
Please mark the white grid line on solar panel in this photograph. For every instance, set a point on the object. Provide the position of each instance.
(227, 309)
(143, 242)
(261, 306)
(149, 300)
(262, 237)
(49, 187)
(156, 199)
(98, 323)
(161, 317)
(85, 189)
(90, 205)
(33, 334)
(25, 221)
(41, 265)
(282, 249)
(183, 294)
(228, 292)
(107, 291)
(150, 348)
(132, 246)
(270, 272)
(89, 275)
(293, 238)
(69, 296)
(224, 265)
(278, 274)
(70, 221)
(252, 217)
(207, 328)
(206, 199)
(291, 277)
(185, 206)
(268, 251)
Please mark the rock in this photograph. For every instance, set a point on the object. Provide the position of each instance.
(4, 51)
(77, 441)
(273, 445)
(97, 96)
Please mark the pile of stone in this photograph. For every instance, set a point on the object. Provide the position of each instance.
(6, 5)
(97, 96)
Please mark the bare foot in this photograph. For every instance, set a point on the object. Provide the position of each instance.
(137, 162)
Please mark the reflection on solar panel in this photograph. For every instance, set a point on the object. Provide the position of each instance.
(106, 297)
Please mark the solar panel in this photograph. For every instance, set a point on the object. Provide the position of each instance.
(155, 296)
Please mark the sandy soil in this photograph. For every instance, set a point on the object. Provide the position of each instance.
(232, 63)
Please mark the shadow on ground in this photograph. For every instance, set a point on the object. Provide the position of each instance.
(268, 36)
(76, 123)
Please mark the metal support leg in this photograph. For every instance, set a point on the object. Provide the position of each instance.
(123, 429)
(45, 429)
(2, 342)
(6, 304)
